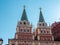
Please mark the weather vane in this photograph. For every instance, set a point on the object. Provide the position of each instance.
(40, 8)
(24, 6)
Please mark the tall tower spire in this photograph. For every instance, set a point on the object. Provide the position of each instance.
(41, 18)
(24, 16)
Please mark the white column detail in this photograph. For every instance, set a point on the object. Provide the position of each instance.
(52, 38)
(38, 31)
(35, 32)
(17, 29)
(16, 43)
(38, 37)
(33, 43)
(33, 37)
(16, 36)
(39, 43)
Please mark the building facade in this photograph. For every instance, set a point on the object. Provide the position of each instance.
(42, 34)
(56, 31)
(1, 41)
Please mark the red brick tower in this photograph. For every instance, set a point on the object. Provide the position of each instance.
(24, 29)
(43, 32)
(23, 35)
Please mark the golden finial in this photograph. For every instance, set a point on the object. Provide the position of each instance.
(24, 6)
(40, 8)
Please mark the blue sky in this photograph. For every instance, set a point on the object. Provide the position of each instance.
(11, 11)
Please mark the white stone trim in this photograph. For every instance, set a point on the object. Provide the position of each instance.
(38, 31)
(38, 37)
(33, 43)
(33, 37)
(16, 43)
(16, 36)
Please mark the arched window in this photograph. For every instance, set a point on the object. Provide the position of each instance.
(40, 24)
(24, 23)
(24, 30)
(13, 44)
(20, 30)
(44, 31)
(41, 31)
(20, 22)
(36, 37)
(47, 31)
(27, 30)
(19, 44)
(43, 24)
